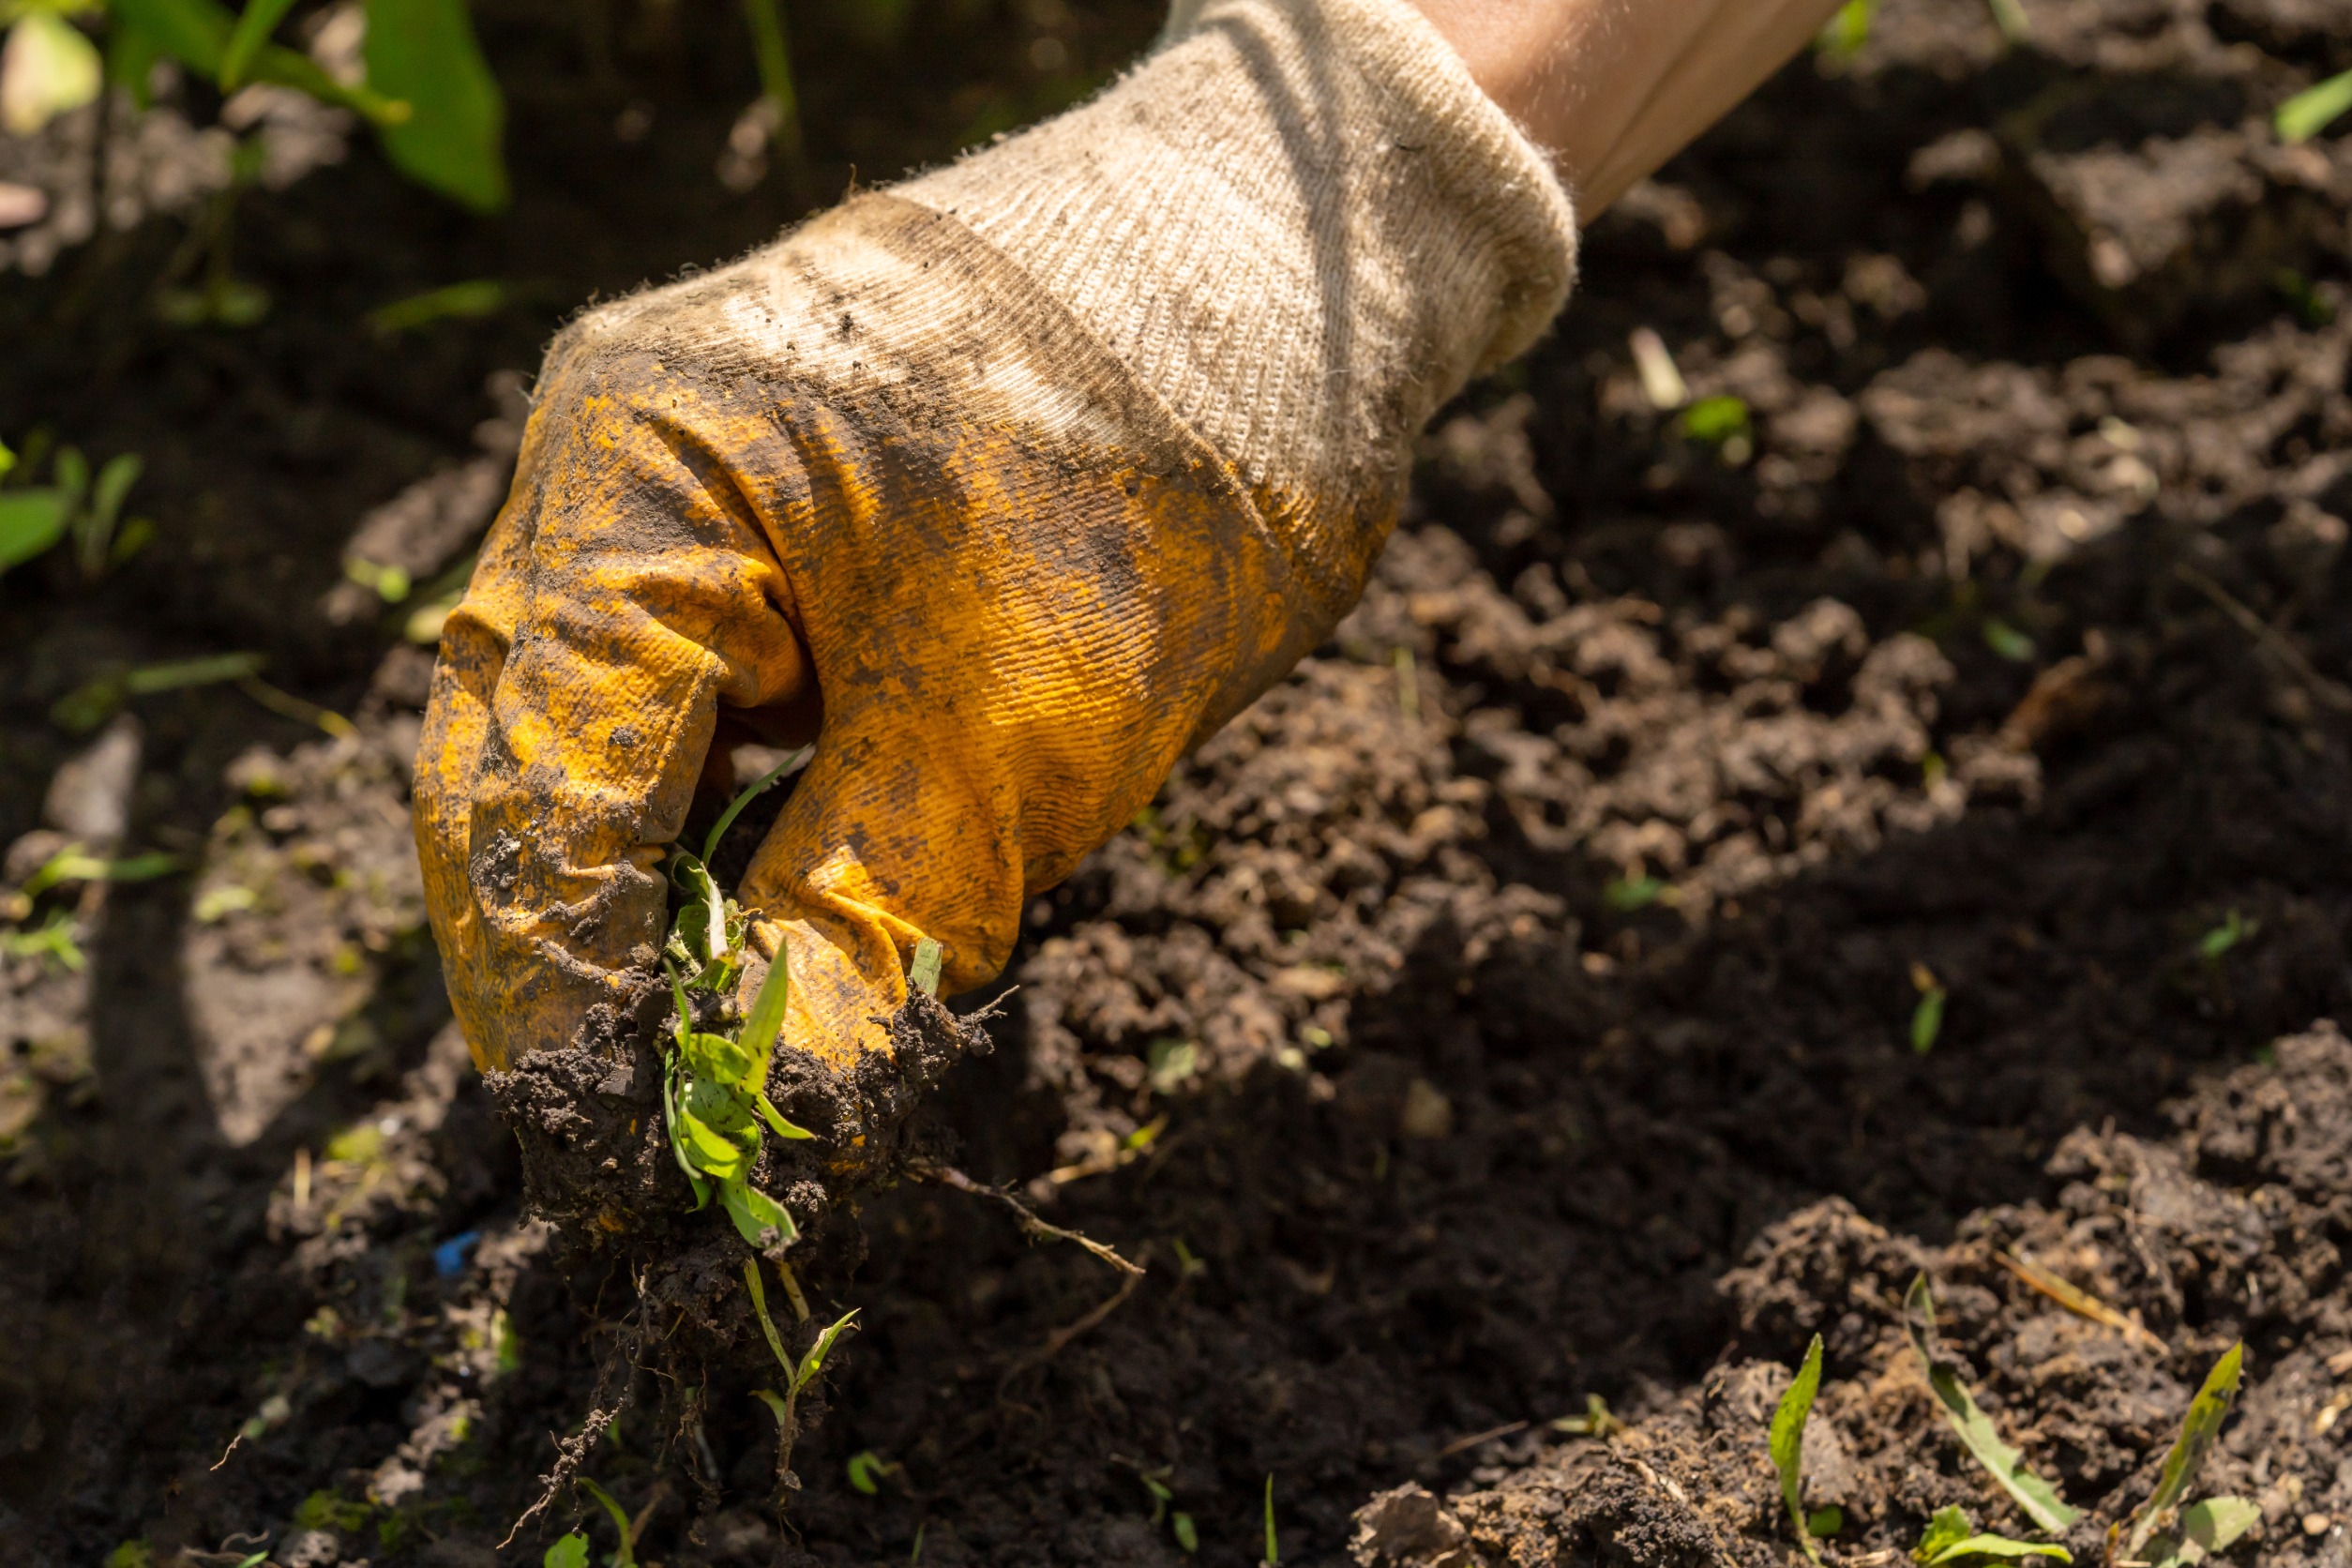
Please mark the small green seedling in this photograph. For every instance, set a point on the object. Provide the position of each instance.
(34, 518)
(1273, 1547)
(869, 1469)
(1627, 894)
(2009, 643)
(2314, 108)
(2037, 1496)
(714, 1093)
(2234, 928)
(1598, 1421)
(624, 1556)
(570, 1552)
(1927, 1015)
(1724, 423)
(2010, 17)
(1950, 1538)
(1788, 1441)
(923, 973)
(2187, 1535)
(1847, 31)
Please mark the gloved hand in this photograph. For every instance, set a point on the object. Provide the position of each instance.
(1005, 486)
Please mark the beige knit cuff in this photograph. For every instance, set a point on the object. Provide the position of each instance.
(1301, 223)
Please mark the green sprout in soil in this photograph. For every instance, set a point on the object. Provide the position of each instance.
(73, 505)
(2162, 1533)
(714, 1091)
(1180, 1523)
(869, 1470)
(1626, 895)
(572, 1550)
(2006, 642)
(798, 1375)
(1847, 31)
(2037, 1496)
(1724, 423)
(1273, 1547)
(1928, 1018)
(1950, 1538)
(1598, 1420)
(2314, 108)
(2234, 929)
(1787, 1443)
(2010, 17)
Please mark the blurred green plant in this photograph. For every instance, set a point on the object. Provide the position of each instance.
(2314, 108)
(425, 86)
(35, 517)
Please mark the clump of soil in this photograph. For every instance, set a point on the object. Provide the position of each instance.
(2224, 1231)
(1515, 1005)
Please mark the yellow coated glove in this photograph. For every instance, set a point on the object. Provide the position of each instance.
(1004, 487)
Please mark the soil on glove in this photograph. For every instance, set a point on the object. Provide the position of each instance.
(1881, 806)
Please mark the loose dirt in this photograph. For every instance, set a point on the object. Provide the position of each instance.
(1518, 1005)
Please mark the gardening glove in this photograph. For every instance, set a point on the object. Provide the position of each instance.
(1005, 486)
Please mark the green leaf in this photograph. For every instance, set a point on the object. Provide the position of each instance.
(2037, 1496)
(746, 796)
(775, 1118)
(423, 53)
(31, 521)
(1188, 1538)
(1716, 420)
(1950, 1526)
(707, 1150)
(1273, 1547)
(2198, 1428)
(625, 1555)
(923, 975)
(196, 33)
(760, 1310)
(570, 1552)
(721, 1110)
(1849, 30)
(867, 1469)
(760, 1031)
(473, 300)
(2206, 1528)
(760, 1219)
(253, 29)
(1824, 1522)
(2314, 108)
(7, 459)
(814, 1362)
(1788, 1441)
(1928, 1020)
(54, 68)
(715, 1057)
(2009, 643)
(777, 1407)
(774, 60)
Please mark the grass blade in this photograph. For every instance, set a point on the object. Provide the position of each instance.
(1273, 1547)
(2037, 1496)
(760, 1310)
(760, 1031)
(760, 1219)
(2314, 108)
(1788, 1442)
(254, 26)
(923, 975)
(734, 807)
(2198, 1429)
(625, 1557)
(814, 1362)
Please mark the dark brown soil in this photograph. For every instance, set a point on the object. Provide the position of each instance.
(1515, 1005)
